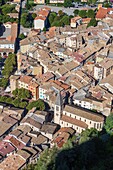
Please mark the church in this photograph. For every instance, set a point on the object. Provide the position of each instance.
(76, 117)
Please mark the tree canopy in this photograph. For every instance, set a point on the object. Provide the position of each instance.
(9, 66)
(109, 124)
(90, 13)
(27, 20)
(76, 11)
(21, 93)
(92, 22)
(82, 13)
(67, 3)
(39, 104)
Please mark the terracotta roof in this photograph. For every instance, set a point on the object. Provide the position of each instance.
(6, 148)
(66, 129)
(12, 162)
(25, 79)
(15, 142)
(84, 113)
(40, 17)
(86, 20)
(74, 121)
(102, 12)
(75, 19)
(43, 13)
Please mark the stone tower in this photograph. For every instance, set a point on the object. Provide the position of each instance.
(58, 108)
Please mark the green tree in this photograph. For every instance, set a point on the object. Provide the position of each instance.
(52, 17)
(21, 93)
(9, 66)
(3, 82)
(39, 104)
(76, 12)
(16, 102)
(44, 29)
(9, 100)
(8, 9)
(65, 20)
(88, 134)
(22, 36)
(109, 124)
(34, 15)
(90, 13)
(47, 159)
(82, 13)
(56, 23)
(92, 22)
(26, 20)
(60, 13)
(67, 3)
(106, 5)
(23, 104)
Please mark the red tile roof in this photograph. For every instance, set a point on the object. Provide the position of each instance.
(15, 142)
(6, 148)
(102, 12)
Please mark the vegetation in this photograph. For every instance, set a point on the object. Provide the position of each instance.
(39, 104)
(60, 19)
(92, 22)
(14, 102)
(9, 66)
(76, 11)
(109, 124)
(90, 13)
(5, 9)
(82, 13)
(22, 36)
(4, 82)
(27, 20)
(95, 152)
(21, 93)
(67, 3)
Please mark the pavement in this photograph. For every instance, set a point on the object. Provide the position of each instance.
(69, 11)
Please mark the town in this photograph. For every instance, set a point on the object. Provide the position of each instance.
(56, 77)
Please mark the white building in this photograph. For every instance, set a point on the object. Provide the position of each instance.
(40, 22)
(98, 72)
(76, 117)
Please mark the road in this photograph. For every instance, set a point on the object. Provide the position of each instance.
(69, 11)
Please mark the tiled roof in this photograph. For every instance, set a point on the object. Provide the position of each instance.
(102, 12)
(15, 142)
(12, 162)
(74, 121)
(6, 148)
(25, 79)
(84, 113)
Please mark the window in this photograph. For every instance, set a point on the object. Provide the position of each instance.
(85, 120)
(94, 125)
(67, 124)
(90, 122)
(97, 125)
(57, 108)
(80, 118)
(70, 115)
